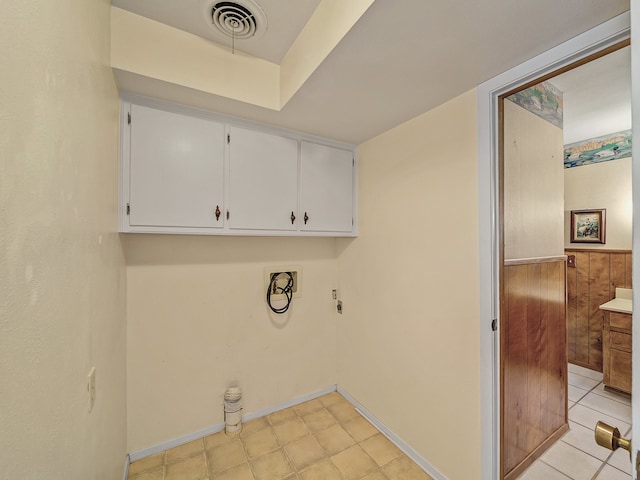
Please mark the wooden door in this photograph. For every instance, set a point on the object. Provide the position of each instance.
(533, 284)
(534, 360)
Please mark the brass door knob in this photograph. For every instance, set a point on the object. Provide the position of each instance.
(609, 437)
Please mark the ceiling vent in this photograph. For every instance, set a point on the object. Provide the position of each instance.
(239, 20)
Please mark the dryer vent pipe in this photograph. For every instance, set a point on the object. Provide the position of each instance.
(232, 411)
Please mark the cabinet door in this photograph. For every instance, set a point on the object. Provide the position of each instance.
(326, 188)
(620, 370)
(176, 170)
(263, 177)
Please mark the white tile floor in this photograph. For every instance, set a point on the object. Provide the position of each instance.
(576, 455)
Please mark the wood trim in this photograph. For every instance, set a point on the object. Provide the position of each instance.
(582, 61)
(595, 250)
(501, 281)
(530, 261)
(537, 453)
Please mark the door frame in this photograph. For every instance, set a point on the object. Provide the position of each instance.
(589, 43)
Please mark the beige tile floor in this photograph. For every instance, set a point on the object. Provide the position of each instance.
(576, 455)
(323, 439)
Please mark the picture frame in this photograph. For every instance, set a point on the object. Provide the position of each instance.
(588, 226)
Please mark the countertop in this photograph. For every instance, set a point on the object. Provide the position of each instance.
(622, 303)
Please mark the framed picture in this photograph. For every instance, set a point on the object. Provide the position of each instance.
(588, 226)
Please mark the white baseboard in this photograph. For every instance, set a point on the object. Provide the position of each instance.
(397, 441)
(176, 442)
(289, 403)
(127, 462)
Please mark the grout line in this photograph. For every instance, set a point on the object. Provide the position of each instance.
(590, 379)
(603, 462)
(586, 392)
(611, 398)
(599, 412)
(622, 471)
(299, 416)
(206, 460)
(608, 414)
(554, 468)
(599, 471)
(587, 453)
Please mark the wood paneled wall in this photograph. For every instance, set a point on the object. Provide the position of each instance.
(590, 283)
(534, 360)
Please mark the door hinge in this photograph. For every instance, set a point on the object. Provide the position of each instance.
(129, 118)
(228, 138)
(128, 209)
(353, 161)
(227, 214)
(494, 324)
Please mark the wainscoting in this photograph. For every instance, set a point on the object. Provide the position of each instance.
(534, 360)
(592, 279)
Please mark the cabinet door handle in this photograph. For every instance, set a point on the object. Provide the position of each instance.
(218, 213)
(293, 218)
(306, 218)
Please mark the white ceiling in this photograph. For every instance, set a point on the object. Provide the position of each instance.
(285, 20)
(402, 58)
(596, 97)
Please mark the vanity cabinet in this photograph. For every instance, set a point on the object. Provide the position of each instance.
(187, 171)
(616, 337)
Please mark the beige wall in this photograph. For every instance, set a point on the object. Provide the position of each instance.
(601, 185)
(198, 323)
(152, 49)
(63, 277)
(408, 341)
(533, 185)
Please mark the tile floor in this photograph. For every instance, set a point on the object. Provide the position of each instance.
(576, 455)
(323, 439)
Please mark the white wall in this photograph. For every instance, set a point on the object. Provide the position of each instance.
(408, 341)
(198, 323)
(533, 185)
(63, 277)
(601, 185)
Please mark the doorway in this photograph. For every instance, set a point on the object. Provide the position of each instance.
(585, 112)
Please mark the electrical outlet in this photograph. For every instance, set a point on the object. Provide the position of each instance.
(283, 278)
(91, 388)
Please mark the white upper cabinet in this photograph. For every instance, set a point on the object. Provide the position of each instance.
(175, 170)
(326, 188)
(263, 181)
(187, 171)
